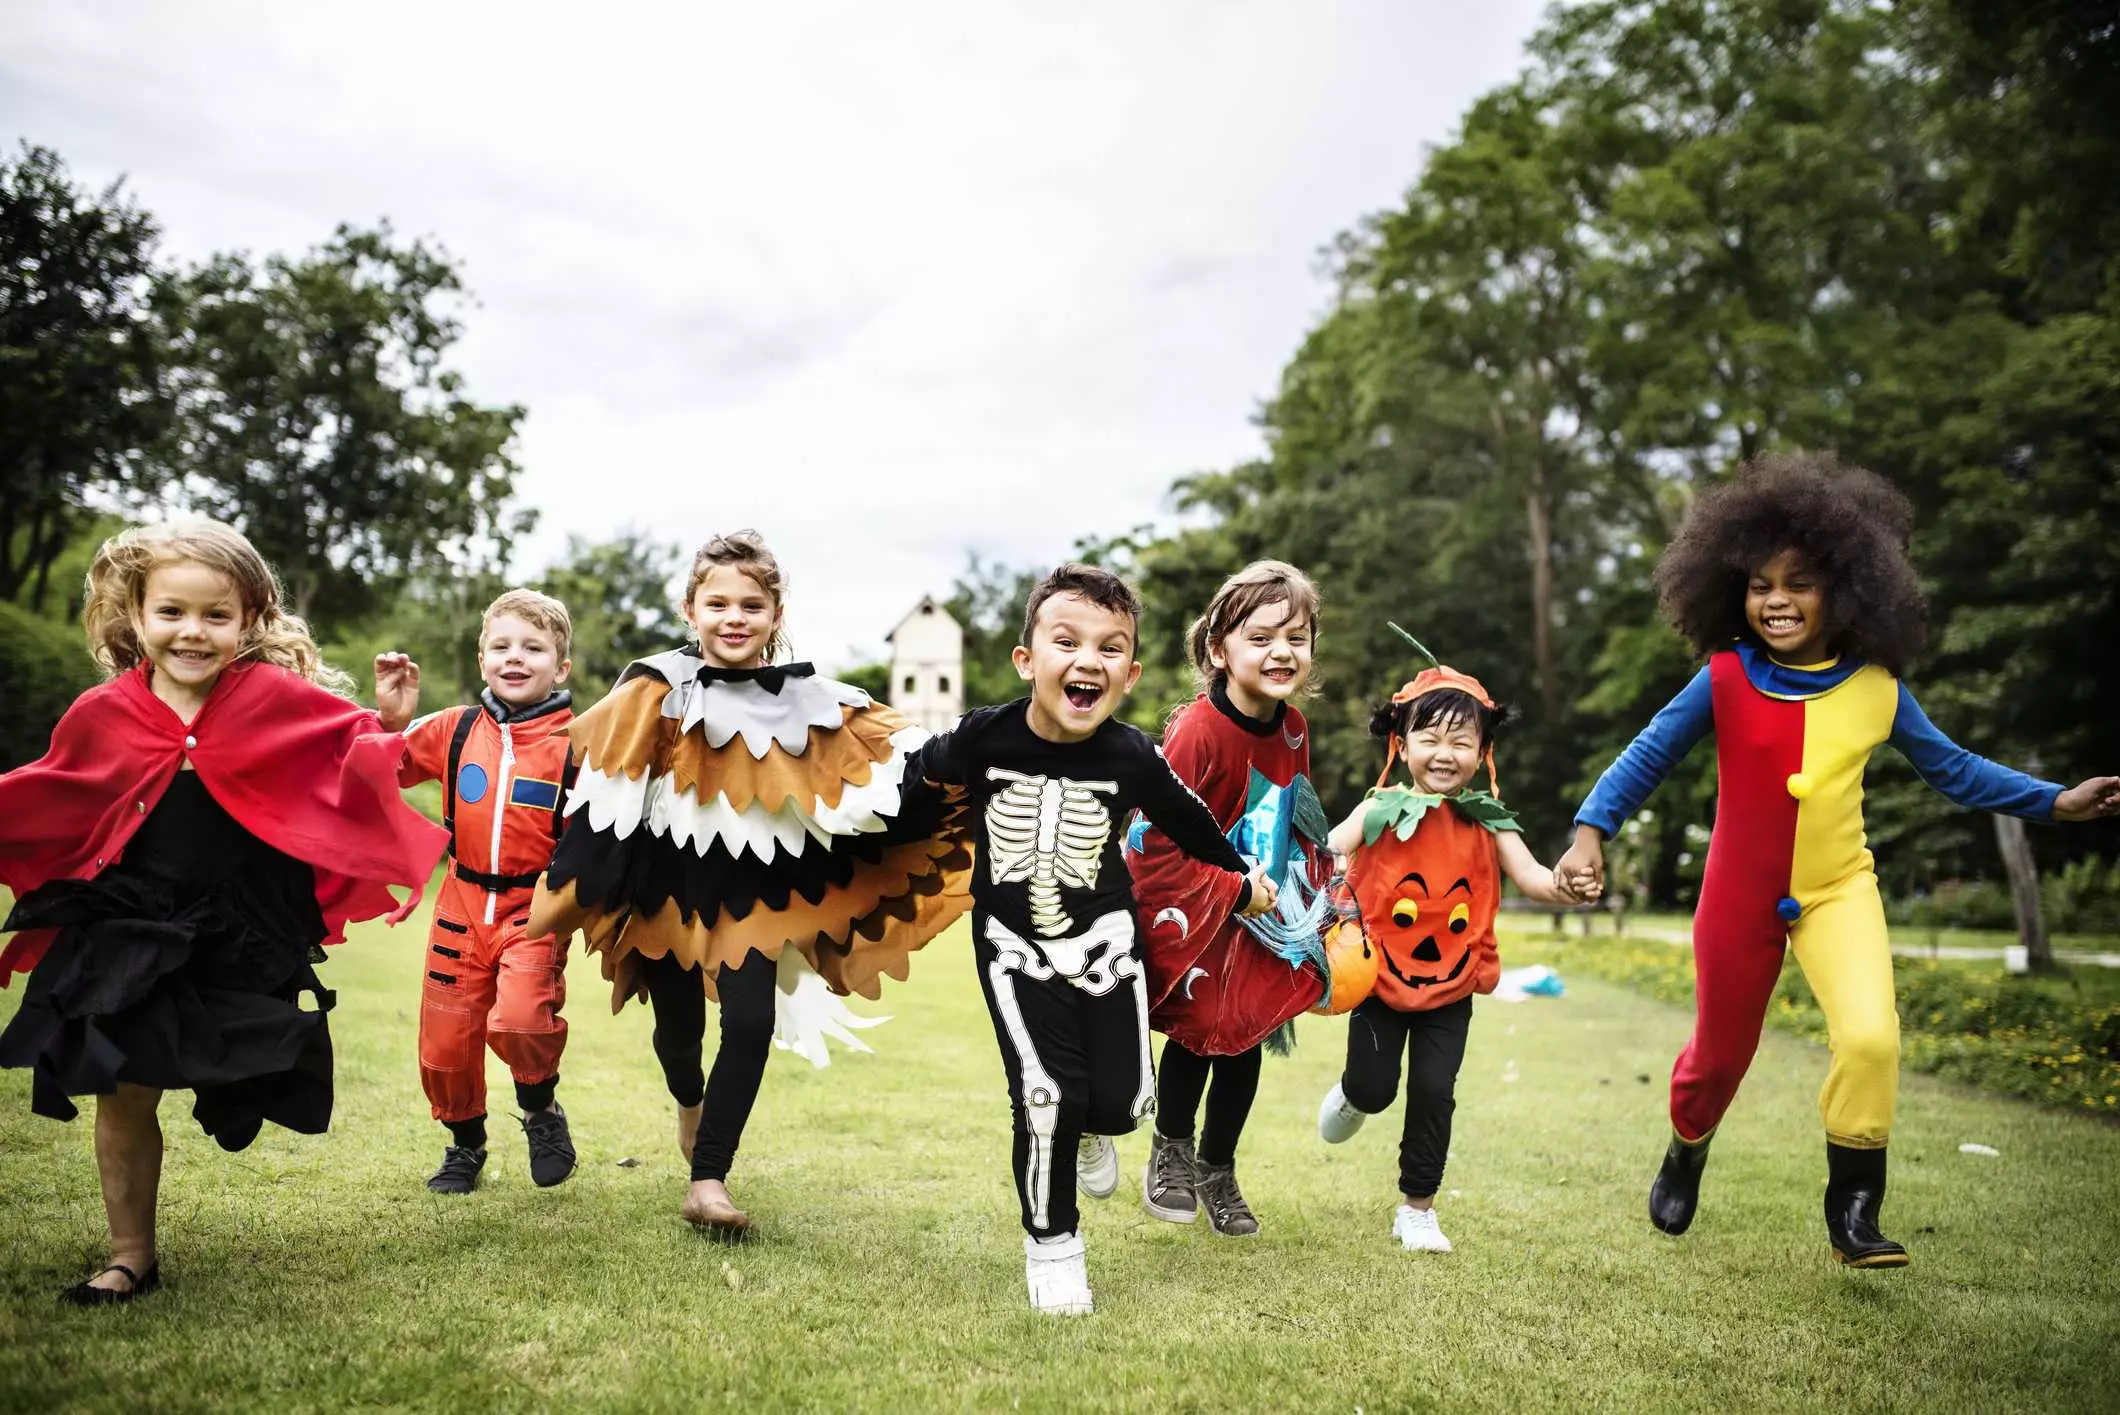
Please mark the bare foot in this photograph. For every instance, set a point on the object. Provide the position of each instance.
(707, 1206)
(688, 1130)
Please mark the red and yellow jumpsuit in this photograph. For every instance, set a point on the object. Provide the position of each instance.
(1789, 864)
(488, 982)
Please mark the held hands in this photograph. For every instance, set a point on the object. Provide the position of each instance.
(397, 690)
(1582, 888)
(2099, 796)
(1582, 870)
(1262, 894)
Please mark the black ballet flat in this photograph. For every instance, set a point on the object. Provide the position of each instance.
(83, 1295)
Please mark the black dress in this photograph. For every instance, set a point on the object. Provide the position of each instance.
(181, 967)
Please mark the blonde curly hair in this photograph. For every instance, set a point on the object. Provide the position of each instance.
(117, 590)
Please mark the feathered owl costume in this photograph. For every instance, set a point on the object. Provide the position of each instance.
(719, 812)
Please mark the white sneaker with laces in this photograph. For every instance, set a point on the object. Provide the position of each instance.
(1057, 1272)
(1337, 1120)
(1418, 1231)
(1097, 1166)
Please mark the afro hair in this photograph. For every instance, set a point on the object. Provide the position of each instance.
(1849, 527)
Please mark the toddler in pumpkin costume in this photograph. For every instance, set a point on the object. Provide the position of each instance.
(1426, 863)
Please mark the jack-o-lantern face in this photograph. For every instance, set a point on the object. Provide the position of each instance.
(1429, 902)
(1418, 915)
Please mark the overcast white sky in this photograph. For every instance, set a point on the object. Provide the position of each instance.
(891, 282)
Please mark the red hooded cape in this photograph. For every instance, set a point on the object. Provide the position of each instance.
(308, 773)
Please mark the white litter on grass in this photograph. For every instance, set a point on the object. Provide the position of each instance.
(1970, 1148)
(1520, 984)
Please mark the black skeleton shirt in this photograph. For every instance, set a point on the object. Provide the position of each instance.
(1049, 818)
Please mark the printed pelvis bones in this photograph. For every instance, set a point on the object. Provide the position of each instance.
(1050, 832)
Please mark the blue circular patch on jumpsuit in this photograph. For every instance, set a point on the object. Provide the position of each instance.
(471, 782)
(1789, 909)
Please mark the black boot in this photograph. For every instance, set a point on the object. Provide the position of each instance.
(1854, 1200)
(1676, 1192)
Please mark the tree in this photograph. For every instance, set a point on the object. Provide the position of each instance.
(872, 678)
(622, 596)
(79, 395)
(987, 599)
(315, 412)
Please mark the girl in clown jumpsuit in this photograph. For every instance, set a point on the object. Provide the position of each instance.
(1793, 581)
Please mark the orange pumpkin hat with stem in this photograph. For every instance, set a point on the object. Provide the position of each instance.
(1435, 678)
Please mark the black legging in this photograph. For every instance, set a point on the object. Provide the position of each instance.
(1434, 1046)
(1179, 1085)
(679, 997)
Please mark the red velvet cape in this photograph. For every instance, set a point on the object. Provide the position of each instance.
(308, 773)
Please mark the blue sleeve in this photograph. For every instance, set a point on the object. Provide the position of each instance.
(1965, 778)
(1663, 744)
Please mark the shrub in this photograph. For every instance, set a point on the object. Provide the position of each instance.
(1957, 904)
(44, 666)
(2083, 897)
(2054, 1039)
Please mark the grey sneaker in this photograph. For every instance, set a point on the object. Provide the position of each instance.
(1227, 1213)
(1167, 1183)
(459, 1171)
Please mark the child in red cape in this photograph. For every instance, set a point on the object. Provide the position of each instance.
(202, 823)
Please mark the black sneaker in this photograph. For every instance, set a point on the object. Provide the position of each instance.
(551, 1147)
(1227, 1213)
(1167, 1183)
(459, 1171)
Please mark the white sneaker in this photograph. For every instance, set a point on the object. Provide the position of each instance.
(1057, 1272)
(1097, 1166)
(1417, 1230)
(1337, 1120)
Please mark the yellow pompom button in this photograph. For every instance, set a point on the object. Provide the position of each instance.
(1800, 784)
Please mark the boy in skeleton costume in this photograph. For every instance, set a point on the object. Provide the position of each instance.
(733, 836)
(1049, 782)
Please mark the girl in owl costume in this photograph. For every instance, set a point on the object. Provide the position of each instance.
(728, 837)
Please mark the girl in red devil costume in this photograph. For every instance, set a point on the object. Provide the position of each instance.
(1217, 989)
(1426, 866)
(202, 823)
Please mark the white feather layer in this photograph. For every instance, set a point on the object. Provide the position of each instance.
(619, 803)
(806, 1013)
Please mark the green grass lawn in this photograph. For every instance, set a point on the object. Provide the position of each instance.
(318, 1274)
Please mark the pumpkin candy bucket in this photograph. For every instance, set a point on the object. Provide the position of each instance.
(1350, 958)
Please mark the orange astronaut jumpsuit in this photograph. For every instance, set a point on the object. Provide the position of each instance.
(504, 776)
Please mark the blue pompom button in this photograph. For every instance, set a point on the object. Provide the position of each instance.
(1789, 910)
